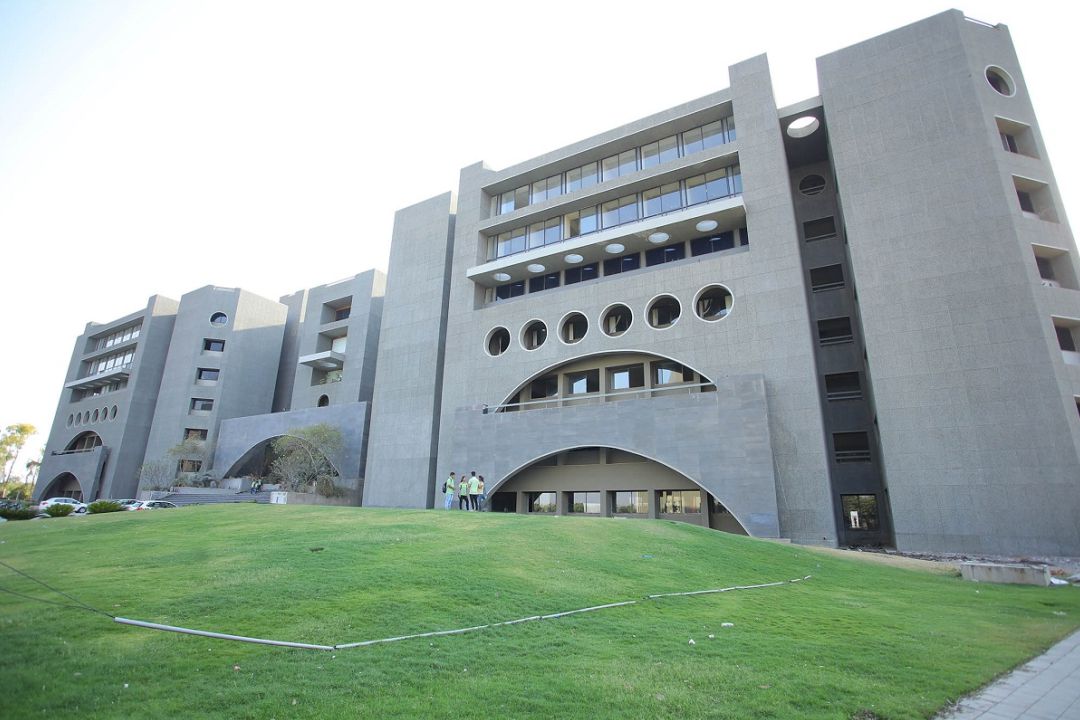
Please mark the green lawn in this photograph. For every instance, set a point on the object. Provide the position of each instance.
(856, 640)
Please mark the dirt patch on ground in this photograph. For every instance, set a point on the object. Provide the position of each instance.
(943, 567)
(949, 563)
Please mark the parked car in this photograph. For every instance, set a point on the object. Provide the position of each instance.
(80, 507)
(151, 505)
(126, 502)
(11, 505)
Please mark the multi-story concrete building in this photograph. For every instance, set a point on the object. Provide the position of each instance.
(853, 320)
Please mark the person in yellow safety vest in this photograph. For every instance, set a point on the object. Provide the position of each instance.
(474, 490)
(448, 491)
(463, 494)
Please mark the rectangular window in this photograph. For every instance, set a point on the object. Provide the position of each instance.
(691, 141)
(195, 435)
(666, 372)
(626, 378)
(207, 374)
(209, 345)
(712, 243)
(860, 512)
(339, 344)
(843, 386)
(834, 331)
(695, 190)
(819, 229)
(622, 264)
(584, 382)
(1026, 203)
(342, 313)
(543, 388)
(509, 290)
(713, 134)
(680, 502)
(202, 404)
(1016, 137)
(536, 235)
(632, 502)
(619, 212)
(188, 466)
(591, 271)
(582, 222)
(581, 177)
(1009, 143)
(1066, 341)
(851, 447)
(543, 502)
(510, 242)
(544, 282)
(829, 277)
(661, 255)
(585, 502)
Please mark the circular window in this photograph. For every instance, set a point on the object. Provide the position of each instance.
(574, 327)
(95, 417)
(812, 185)
(534, 335)
(112, 413)
(71, 420)
(498, 341)
(664, 312)
(324, 400)
(219, 318)
(1000, 80)
(803, 127)
(78, 419)
(617, 320)
(714, 303)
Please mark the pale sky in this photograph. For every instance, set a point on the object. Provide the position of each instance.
(152, 147)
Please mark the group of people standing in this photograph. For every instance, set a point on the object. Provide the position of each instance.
(469, 491)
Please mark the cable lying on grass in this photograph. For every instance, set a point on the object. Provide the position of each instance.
(399, 638)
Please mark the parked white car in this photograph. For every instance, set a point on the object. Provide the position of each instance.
(80, 507)
(151, 505)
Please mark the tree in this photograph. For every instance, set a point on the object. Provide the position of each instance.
(302, 458)
(12, 441)
(156, 474)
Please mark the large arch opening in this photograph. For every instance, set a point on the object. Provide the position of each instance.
(84, 441)
(605, 377)
(609, 482)
(302, 465)
(64, 485)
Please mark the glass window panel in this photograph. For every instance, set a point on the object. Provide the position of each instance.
(667, 372)
(713, 134)
(538, 193)
(650, 155)
(585, 502)
(609, 213)
(554, 186)
(716, 184)
(628, 209)
(588, 175)
(590, 220)
(691, 140)
(552, 231)
(521, 197)
(695, 190)
(610, 167)
(729, 122)
(586, 381)
(860, 512)
(545, 387)
(506, 202)
(670, 197)
(651, 204)
(536, 235)
(628, 161)
(669, 148)
(505, 292)
(544, 502)
(735, 175)
(625, 378)
(659, 256)
(573, 180)
(632, 502)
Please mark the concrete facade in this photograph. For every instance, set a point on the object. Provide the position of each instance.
(854, 320)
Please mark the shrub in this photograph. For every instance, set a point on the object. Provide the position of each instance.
(18, 513)
(60, 510)
(104, 506)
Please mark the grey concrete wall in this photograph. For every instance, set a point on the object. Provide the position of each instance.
(720, 440)
(975, 406)
(114, 471)
(408, 378)
(249, 364)
(238, 436)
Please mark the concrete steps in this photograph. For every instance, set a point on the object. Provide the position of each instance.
(182, 499)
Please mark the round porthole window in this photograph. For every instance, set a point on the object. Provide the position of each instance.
(95, 417)
(71, 420)
(664, 312)
(812, 185)
(112, 413)
(219, 318)
(498, 341)
(803, 127)
(617, 320)
(534, 335)
(714, 303)
(1000, 80)
(574, 327)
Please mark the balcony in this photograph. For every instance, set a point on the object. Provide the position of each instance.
(120, 372)
(326, 360)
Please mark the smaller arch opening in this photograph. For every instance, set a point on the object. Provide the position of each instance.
(84, 441)
(664, 312)
(324, 400)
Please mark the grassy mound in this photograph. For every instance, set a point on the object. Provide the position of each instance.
(856, 638)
